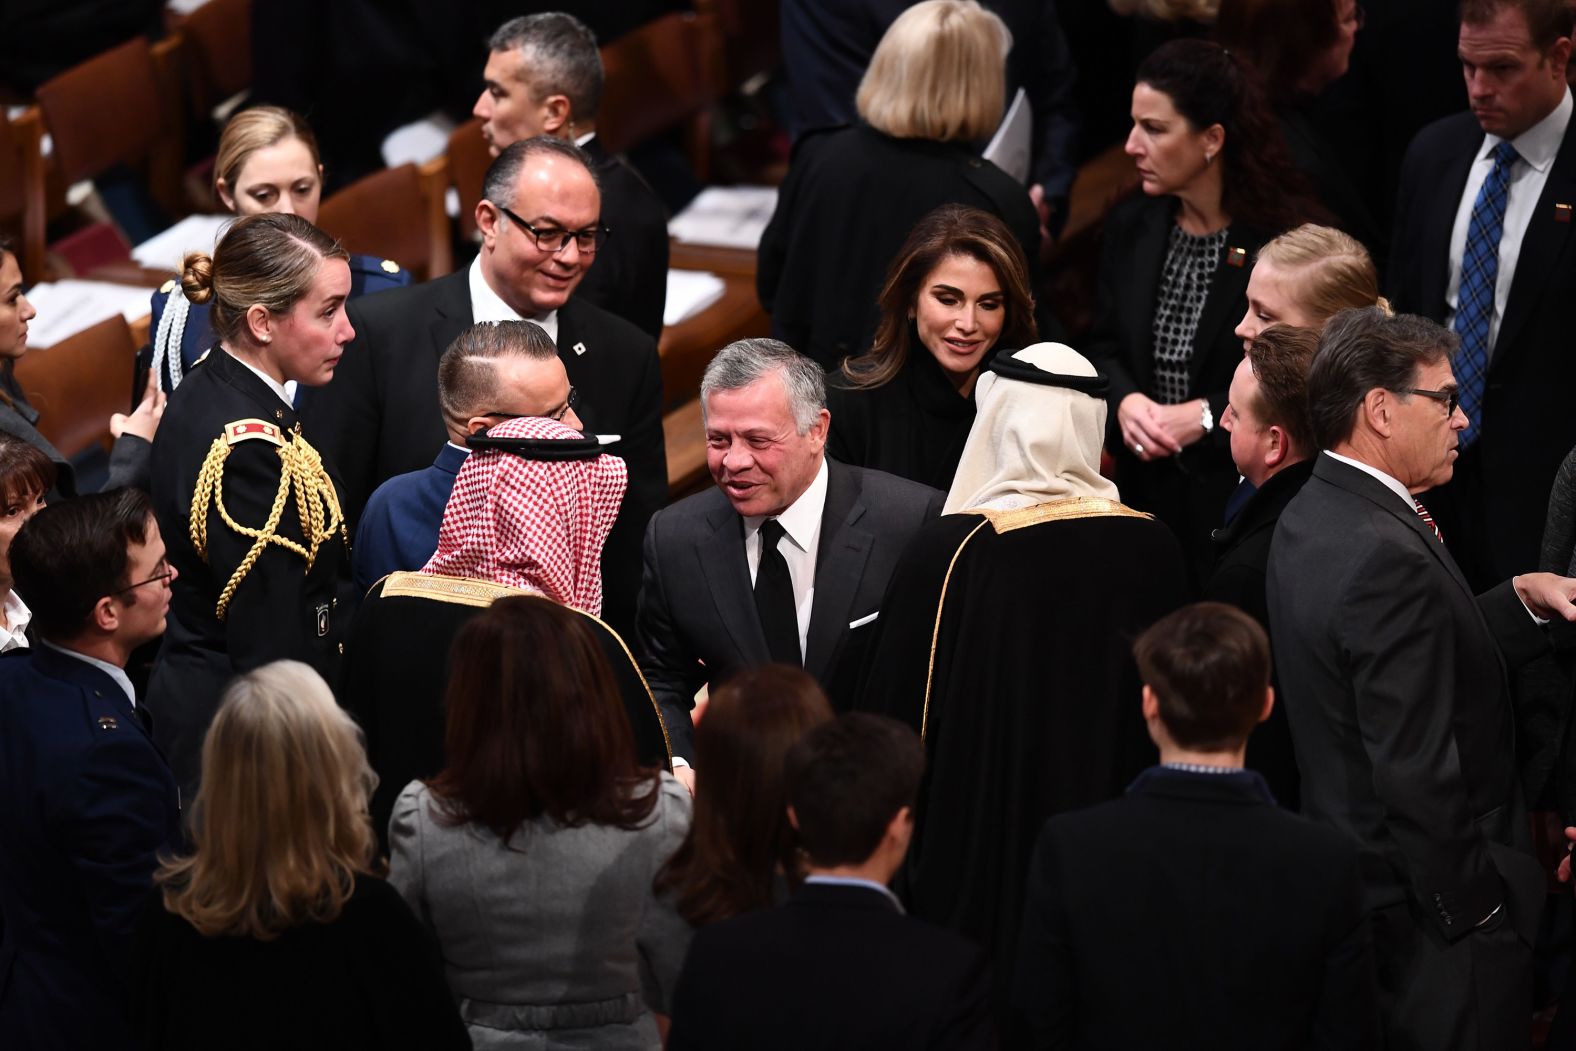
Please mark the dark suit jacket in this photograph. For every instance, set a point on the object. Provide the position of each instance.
(1238, 580)
(698, 622)
(399, 527)
(630, 275)
(851, 198)
(1192, 912)
(85, 804)
(1395, 682)
(379, 415)
(1187, 492)
(1492, 511)
(837, 967)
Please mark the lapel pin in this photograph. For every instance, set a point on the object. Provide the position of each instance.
(1562, 213)
(579, 348)
(1236, 257)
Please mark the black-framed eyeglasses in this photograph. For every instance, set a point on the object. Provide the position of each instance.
(571, 402)
(164, 574)
(1451, 396)
(553, 240)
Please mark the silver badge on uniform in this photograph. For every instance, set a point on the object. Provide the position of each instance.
(322, 620)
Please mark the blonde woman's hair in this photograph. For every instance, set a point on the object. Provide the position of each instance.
(269, 259)
(280, 827)
(257, 129)
(938, 73)
(1169, 10)
(1333, 271)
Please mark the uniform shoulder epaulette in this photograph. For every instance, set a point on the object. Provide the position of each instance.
(241, 430)
(168, 287)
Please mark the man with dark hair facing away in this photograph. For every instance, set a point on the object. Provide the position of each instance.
(86, 800)
(840, 965)
(1193, 912)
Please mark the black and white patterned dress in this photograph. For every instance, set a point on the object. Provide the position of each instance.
(1191, 261)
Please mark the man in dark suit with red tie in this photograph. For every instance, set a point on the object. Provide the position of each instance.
(1394, 675)
(86, 800)
(1483, 245)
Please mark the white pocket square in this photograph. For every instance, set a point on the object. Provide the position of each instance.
(862, 621)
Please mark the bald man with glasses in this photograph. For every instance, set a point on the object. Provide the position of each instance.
(541, 226)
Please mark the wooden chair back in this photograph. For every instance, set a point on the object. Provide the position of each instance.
(218, 39)
(76, 384)
(468, 164)
(397, 213)
(662, 76)
(119, 107)
(22, 208)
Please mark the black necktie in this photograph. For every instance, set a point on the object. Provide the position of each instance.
(774, 598)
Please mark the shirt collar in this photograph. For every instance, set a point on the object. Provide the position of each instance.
(802, 520)
(116, 673)
(855, 881)
(1390, 483)
(487, 305)
(273, 384)
(17, 617)
(1539, 144)
(582, 140)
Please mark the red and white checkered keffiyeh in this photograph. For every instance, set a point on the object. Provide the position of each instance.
(533, 524)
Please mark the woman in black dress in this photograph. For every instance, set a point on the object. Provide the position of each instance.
(251, 510)
(958, 289)
(275, 930)
(1173, 271)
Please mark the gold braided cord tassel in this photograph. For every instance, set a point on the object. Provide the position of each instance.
(317, 505)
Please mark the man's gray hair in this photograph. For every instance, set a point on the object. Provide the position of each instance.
(744, 361)
(503, 176)
(561, 58)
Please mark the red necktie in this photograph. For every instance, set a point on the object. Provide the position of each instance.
(1428, 520)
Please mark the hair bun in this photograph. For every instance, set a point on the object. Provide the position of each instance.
(197, 277)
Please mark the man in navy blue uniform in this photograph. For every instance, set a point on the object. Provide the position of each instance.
(86, 800)
(493, 371)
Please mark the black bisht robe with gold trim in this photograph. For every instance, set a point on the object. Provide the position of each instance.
(1007, 641)
(397, 669)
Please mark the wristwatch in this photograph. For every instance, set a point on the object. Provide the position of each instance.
(1207, 418)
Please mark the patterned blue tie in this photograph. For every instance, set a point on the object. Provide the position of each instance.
(1475, 297)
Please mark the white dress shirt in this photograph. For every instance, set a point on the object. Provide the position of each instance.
(801, 524)
(118, 674)
(17, 618)
(855, 881)
(1537, 147)
(487, 305)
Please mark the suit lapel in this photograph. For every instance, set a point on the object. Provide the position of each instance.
(1224, 304)
(1540, 248)
(1361, 484)
(727, 572)
(1434, 251)
(85, 676)
(839, 564)
(453, 314)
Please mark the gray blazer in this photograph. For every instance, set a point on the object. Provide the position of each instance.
(697, 622)
(559, 932)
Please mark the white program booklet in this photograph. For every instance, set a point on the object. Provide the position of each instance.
(1010, 147)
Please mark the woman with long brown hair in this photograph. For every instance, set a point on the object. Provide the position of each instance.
(274, 930)
(957, 291)
(741, 854)
(532, 854)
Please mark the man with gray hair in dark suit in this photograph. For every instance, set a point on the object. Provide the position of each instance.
(786, 559)
(1395, 685)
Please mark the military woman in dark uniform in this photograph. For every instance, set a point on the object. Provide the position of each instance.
(251, 510)
(267, 162)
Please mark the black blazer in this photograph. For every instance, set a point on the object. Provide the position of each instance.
(1394, 678)
(1193, 913)
(1187, 492)
(1492, 512)
(837, 967)
(698, 622)
(851, 197)
(379, 415)
(630, 275)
